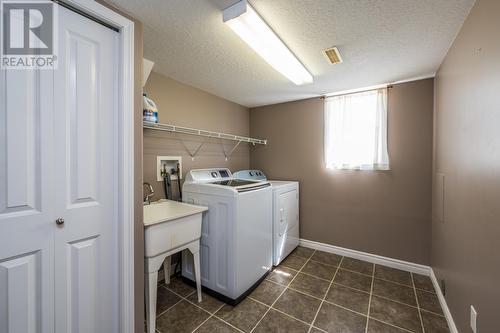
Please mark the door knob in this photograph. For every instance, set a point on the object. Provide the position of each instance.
(60, 221)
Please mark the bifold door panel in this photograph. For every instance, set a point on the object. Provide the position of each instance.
(26, 202)
(58, 187)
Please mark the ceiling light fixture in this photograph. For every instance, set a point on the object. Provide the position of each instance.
(254, 31)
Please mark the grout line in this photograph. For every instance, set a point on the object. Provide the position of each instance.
(341, 306)
(202, 323)
(323, 263)
(352, 288)
(185, 298)
(311, 326)
(314, 276)
(212, 315)
(349, 270)
(398, 283)
(226, 322)
(324, 297)
(392, 325)
(257, 324)
(326, 301)
(282, 312)
(392, 300)
(306, 294)
(162, 313)
(418, 305)
(283, 266)
(297, 255)
(370, 299)
(276, 283)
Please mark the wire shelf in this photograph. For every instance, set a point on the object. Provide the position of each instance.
(201, 132)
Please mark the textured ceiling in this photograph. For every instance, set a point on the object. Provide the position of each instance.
(380, 41)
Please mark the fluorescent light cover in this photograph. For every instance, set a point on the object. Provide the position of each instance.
(250, 27)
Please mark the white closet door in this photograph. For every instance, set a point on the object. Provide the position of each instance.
(86, 249)
(26, 206)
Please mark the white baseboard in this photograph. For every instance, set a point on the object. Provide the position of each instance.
(373, 258)
(390, 262)
(444, 306)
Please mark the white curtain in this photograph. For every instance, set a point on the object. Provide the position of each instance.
(356, 131)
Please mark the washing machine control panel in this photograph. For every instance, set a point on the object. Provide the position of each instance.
(250, 175)
(204, 175)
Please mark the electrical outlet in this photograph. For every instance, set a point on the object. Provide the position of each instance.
(473, 319)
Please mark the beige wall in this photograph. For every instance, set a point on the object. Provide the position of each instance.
(183, 105)
(466, 246)
(386, 213)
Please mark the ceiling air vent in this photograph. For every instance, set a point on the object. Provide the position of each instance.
(333, 55)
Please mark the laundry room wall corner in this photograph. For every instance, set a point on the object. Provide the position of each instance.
(381, 212)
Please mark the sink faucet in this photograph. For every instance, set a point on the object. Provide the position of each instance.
(147, 197)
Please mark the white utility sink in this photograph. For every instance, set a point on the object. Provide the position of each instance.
(169, 227)
(170, 224)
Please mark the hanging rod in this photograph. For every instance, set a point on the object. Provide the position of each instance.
(200, 132)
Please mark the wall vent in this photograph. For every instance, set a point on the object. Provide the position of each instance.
(333, 55)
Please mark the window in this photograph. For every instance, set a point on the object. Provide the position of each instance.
(356, 131)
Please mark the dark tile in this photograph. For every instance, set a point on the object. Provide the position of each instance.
(293, 261)
(267, 292)
(434, 323)
(350, 298)
(375, 326)
(429, 301)
(315, 330)
(393, 274)
(304, 252)
(215, 325)
(183, 317)
(298, 305)
(423, 282)
(319, 270)
(179, 287)
(310, 285)
(327, 258)
(357, 265)
(394, 291)
(209, 303)
(334, 319)
(244, 315)
(275, 321)
(353, 280)
(165, 299)
(394, 313)
(282, 275)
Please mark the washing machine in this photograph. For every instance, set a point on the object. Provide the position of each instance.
(285, 200)
(236, 236)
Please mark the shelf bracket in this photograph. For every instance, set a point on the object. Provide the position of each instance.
(193, 155)
(227, 156)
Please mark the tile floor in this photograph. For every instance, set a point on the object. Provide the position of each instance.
(312, 291)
